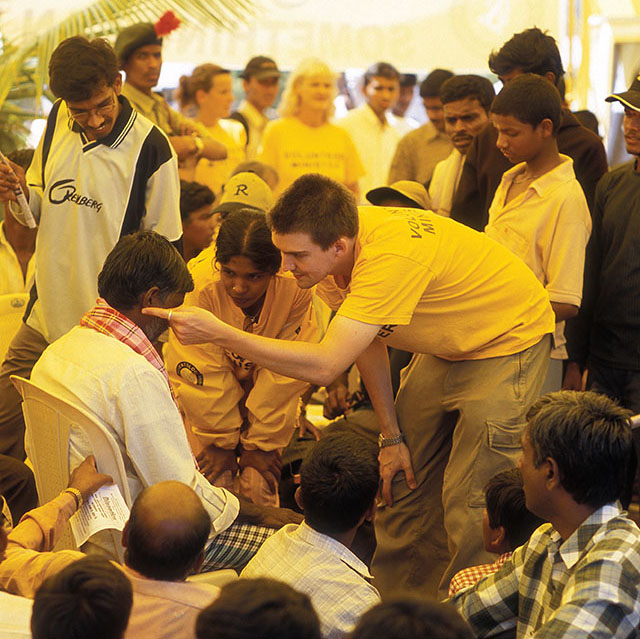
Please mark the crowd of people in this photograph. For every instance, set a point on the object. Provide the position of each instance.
(198, 273)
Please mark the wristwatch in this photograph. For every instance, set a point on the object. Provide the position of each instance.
(383, 441)
(77, 495)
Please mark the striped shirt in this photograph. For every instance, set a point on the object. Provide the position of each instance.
(585, 586)
(86, 194)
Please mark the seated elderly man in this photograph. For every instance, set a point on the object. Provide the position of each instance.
(109, 366)
(578, 575)
(164, 542)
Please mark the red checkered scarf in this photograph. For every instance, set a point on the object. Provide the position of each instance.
(105, 319)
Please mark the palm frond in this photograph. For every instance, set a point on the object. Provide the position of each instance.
(105, 18)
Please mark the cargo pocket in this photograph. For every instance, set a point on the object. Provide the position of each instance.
(499, 450)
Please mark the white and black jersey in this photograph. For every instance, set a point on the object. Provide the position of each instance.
(86, 195)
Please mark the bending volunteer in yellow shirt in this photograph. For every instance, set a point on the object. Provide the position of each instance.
(478, 320)
(242, 414)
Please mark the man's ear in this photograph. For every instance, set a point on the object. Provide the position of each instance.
(125, 535)
(552, 478)
(341, 246)
(370, 513)
(551, 76)
(117, 84)
(298, 497)
(150, 297)
(496, 539)
(546, 127)
(197, 564)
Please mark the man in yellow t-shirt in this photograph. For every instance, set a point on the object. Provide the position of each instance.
(423, 283)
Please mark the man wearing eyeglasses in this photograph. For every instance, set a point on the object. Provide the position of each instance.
(101, 171)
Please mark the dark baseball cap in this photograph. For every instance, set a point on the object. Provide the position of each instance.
(260, 68)
(630, 98)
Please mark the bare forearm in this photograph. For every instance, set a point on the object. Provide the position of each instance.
(268, 516)
(319, 364)
(301, 360)
(564, 311)
(373, 365)
(213, 150)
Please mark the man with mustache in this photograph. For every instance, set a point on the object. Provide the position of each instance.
(466, 100)
(530, 51)
(138, 48)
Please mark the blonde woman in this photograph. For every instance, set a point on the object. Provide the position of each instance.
(208, 89)
(303, 140)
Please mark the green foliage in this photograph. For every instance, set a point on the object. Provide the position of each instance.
(24, 62)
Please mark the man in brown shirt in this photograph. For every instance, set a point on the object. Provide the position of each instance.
(420, 150)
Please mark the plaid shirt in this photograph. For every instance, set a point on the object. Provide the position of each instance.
(586, 586)
(472, 575)
(334, 578)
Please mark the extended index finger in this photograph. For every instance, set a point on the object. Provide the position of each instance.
(156, 311)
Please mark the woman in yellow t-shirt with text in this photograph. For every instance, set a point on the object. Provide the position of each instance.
(303, 140)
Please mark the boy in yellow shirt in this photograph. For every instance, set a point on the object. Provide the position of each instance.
(539, 211)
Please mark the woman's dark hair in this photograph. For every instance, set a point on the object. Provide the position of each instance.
(245, 232)
(200, 79)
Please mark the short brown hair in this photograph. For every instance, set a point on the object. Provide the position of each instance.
(506, 507)
(319, 206)
(200, 79)
(79, 67)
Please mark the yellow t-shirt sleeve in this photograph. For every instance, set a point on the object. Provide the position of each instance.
(385, 289)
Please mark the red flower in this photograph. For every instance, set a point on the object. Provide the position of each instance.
(166, 24)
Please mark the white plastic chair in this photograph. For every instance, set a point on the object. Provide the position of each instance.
(48, 420)
(12, 307)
